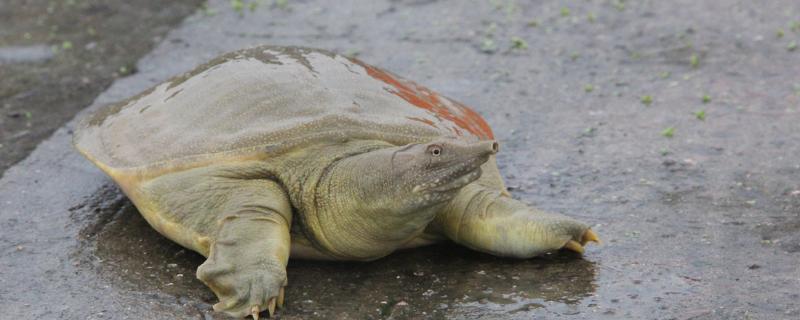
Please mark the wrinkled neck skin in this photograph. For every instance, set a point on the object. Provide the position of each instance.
(354, 202)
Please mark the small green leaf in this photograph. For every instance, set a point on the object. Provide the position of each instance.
(533, 24)
(665, 151)
(647, 100)
(668, 132)
(700, 115)
(591, 17)
(518, 43)
(779, 34)
(664, 75)
(564, 12)
(237, 5)
(694, 61)
(66, 45)
(588, 88)
(706, 98)
(792, 46)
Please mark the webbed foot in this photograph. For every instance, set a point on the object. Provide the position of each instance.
(244, 289)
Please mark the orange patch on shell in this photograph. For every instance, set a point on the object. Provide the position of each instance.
(463, 117)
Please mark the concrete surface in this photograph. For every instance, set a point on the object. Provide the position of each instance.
(704, 224)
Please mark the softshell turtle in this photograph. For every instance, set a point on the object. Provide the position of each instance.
(271, 152)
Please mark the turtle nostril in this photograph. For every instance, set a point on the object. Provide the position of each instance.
(495, 147)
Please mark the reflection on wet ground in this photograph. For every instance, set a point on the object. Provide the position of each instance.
(436, 281)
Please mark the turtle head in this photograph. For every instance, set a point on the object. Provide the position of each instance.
(372, 202)
(433, 172)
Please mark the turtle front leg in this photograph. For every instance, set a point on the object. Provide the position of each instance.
(484, 217)
(246, 267)
(239, 220)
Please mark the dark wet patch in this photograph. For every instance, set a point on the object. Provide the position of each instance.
(57, 56)
(438, 281)
(119, 244)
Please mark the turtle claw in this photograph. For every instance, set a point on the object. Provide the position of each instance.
(577, 246)
(281, 297)
(255, 310)
(574, 246)
(271, 306)
(589, 236)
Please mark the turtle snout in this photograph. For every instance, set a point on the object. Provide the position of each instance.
(486, 148)
(493, 147)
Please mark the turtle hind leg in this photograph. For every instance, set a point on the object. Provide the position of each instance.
(240, 223)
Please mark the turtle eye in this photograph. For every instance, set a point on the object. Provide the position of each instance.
(435, 150)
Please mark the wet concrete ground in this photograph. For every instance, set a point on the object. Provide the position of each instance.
(700, 222)
(57, 56)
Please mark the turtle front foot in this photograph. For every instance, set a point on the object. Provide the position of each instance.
(527, 232)
(489, 220)
(244, 290)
